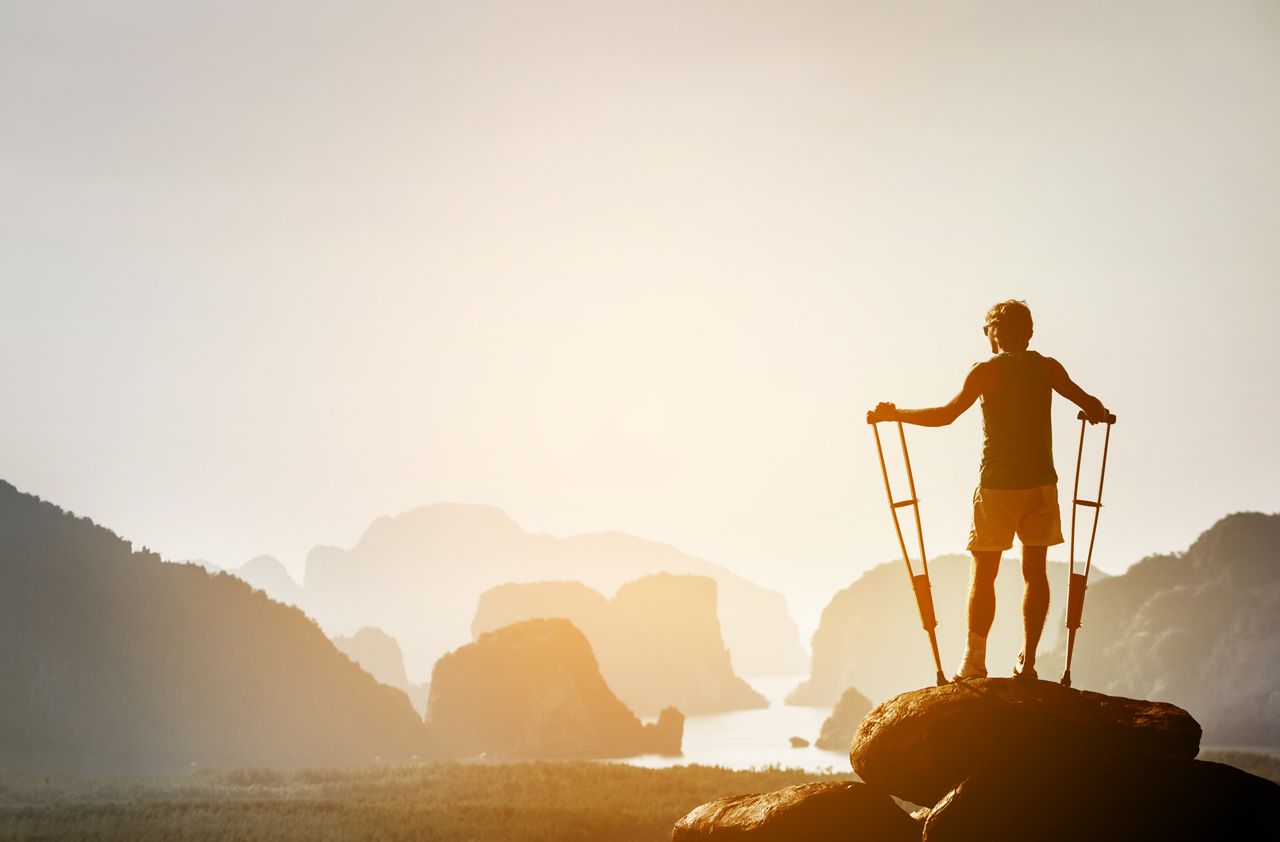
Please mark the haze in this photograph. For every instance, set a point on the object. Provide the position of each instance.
(272, 270)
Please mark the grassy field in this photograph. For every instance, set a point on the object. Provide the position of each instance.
(510, 802)
(520, 802)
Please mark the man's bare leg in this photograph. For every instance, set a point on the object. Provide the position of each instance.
(1035, 604)
(981, 612)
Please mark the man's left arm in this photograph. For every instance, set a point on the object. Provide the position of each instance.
(975, 384)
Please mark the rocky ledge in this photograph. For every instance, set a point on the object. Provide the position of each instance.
(921, 744)
(1000, 759)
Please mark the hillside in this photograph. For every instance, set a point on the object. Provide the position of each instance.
(1200, 629)
(113, 660)
(869, 636)
(419, 576)
(658, 640)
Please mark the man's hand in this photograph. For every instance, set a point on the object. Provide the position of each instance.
(883, 412)
(1095, 411)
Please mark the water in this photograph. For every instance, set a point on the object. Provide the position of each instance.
(748, 739)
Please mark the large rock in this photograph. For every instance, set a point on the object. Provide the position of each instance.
(815, 812)
(533, 689)
(1082, 795)
(921, 745)
(658, 640)
(838, 728)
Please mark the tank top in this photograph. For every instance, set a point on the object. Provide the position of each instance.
(1017, 446)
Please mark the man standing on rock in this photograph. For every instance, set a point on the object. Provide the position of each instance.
(1017, 491)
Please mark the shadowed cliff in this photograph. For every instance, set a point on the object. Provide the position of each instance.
(113, 660)
(1200, 628)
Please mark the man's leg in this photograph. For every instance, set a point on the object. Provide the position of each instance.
(1035, 603)
(981, 611)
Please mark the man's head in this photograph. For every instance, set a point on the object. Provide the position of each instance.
(1008, 326)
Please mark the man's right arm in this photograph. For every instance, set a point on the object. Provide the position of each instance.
(1065, 386)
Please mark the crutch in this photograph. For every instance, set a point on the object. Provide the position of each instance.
(919, 584)
(1077, 583)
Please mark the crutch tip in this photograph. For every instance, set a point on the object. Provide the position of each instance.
(942, 679)
(1066, 679)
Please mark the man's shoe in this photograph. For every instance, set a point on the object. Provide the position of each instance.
(1022, 672)
(968, 671)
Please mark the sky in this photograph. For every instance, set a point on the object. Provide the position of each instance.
(273, 269)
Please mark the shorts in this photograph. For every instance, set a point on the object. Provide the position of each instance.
(999, 513)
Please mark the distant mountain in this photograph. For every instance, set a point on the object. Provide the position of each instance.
(112, 660)
(658, 640)
(533, 689)
(870, 637)
(378, 654)
(267, 574)
(1200, 629)
(420, 574)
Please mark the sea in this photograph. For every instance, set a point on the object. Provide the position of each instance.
(754, 739)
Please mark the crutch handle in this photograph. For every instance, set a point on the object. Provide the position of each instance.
(1080, 416)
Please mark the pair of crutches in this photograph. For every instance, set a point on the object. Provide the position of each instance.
(1076, 582)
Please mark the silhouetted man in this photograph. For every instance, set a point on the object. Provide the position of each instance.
(1017, 491)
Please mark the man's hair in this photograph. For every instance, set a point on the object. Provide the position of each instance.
(1010, 322)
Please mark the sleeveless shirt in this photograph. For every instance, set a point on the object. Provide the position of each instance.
(1017, 447)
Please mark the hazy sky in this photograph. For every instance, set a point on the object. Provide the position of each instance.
(272, 269)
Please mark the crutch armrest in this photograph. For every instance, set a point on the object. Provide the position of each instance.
(1111, 418)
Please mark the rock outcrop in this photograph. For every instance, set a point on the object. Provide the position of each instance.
(849, 645)
(847, 811)
(450, 554)
(533, 690)
(658, 640)
(838, 728)
(1078, 795)
(1200, 628)
(113, 660)
(378, 654)
(922, 744)
(1006, 760)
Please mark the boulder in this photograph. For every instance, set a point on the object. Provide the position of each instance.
(533, 690)
(922, 744)
(812, 812)
(1080, 795)
(839, 728)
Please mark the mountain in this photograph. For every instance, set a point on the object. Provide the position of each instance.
(870, 637)
(657, 641)
(420, 574)
(378, 654)
(113, 660)
(1200, 629)
(267, 574)
(533, 689)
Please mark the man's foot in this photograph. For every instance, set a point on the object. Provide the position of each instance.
(1022, 672)
(968, 671)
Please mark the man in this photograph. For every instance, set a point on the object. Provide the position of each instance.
(1017, 491)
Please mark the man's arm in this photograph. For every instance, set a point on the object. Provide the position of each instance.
(976, 384)
(1065, 386)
